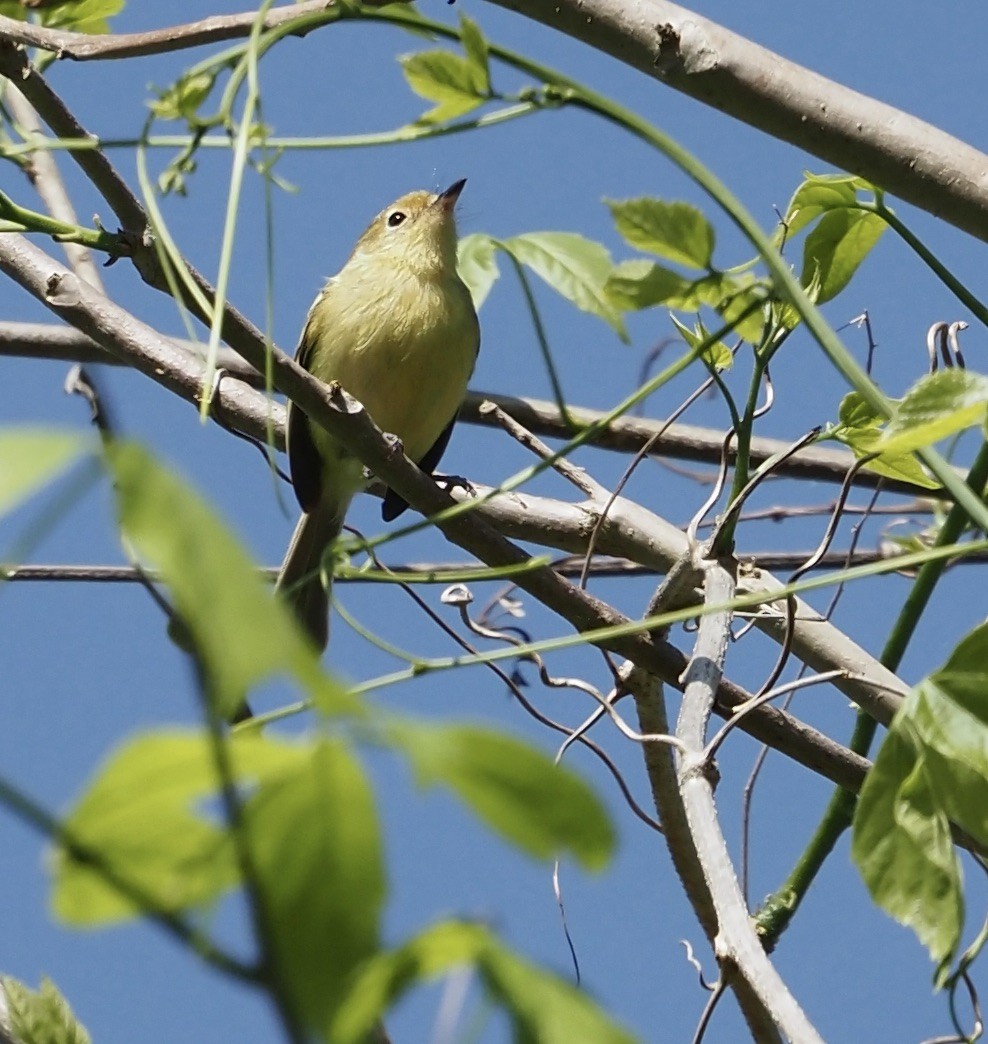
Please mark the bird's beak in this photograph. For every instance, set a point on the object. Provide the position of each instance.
(447, 200)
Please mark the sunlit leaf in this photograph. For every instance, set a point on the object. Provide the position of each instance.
(573, 266)
(31, 458)
(543, 808)
(143, 814)
(243, 634)
(717, 355)
(42, 1017)
(455, 83)
(181, 101)
(477, 265)
(938, 405)
(834, 249)
(316, 849)
(81, 16)
(860, 428)
(820, 193)
(676, 231)
(633, 285)
(475, 45)
(903, 849)
(931, 771)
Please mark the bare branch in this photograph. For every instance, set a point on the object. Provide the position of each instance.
(736, 944)
(82, 47)
(42, 170)
(912, 159)
(682, 441)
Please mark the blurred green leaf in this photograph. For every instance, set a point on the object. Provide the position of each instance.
(181, 101)
(542, 1007)
(835, 248)
(243, 634)
(457, 84)
(477, 265)
(938, 405)
(81, 16)
(543, 808)
(475, 45)
(573, 266)
(316, 850)
(676, 231)
(142, 813)
(42, 1017)
(638, 284)
(931, 771)
(31, 458)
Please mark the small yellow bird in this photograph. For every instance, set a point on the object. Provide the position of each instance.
(396, 328)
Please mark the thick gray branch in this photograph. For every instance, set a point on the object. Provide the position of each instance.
(902, 154)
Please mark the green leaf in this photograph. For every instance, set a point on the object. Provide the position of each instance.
(42, 1017)
(893, 464)
(475, 45)
(142, 814)
(544, 809)
(316, 849)
(676, 231)
(31, 458)
(573, 266)
(860, 428)
(820, 193)
(81, 16)
(477, 265)
(455, 83)
(938, 405)
(243, 634)
(856, 411)
(542, 1007)
(834, 249)
(638, 284)
(931, 771)
(717, 355)
(730, 296)
(903, 849)
(182, 100)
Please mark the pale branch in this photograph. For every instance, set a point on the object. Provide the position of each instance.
(121, 333)
(626, 434)
(65, 344)
(737, 946)
(602, 567)
(15, 65)
(680, 441)
(42, 170)
(83, 47)
(236, 330)
(904, 155)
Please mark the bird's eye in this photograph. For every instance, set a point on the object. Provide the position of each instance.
(395, 218)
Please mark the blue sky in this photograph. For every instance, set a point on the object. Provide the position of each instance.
(86, 666)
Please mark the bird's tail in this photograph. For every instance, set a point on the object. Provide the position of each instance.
(301, 580)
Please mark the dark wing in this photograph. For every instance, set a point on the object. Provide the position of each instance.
(304, 461)
(393, 504)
